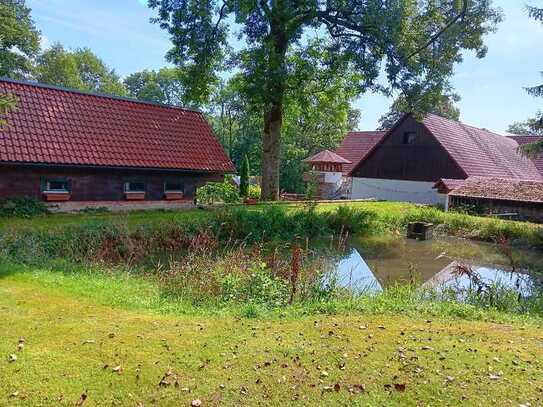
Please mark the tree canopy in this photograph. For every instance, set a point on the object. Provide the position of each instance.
(416, 43)
(162, 86)
(79, 69)
(532, 125)
(19, 39)
(442, 104)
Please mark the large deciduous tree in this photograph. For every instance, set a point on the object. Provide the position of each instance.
(79, 69)
(19, 39)
(414, 42)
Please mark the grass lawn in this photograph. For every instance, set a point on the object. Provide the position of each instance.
(73, 344)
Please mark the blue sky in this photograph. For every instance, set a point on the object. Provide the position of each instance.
(491, 89)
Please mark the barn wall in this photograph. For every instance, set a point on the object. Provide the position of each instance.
(96, 184)
(424, 160)
(396, 190)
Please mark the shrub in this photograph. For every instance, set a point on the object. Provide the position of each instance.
(254, 192)
(213, 192)
(244, 178)
(25, 207)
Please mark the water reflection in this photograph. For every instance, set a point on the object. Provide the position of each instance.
(429, 263)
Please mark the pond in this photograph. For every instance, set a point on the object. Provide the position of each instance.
(371, 264)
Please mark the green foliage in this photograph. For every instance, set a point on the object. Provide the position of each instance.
(22, 207)
(79, 69)
(441, 103)
(7, 103)
(287, 45)
(254, 191)
(244, 178)
(532, 125)
(214, 192)
(274, 222)
(254, 284)
(19, 39)
(162, 86)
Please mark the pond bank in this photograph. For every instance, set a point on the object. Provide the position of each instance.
(223, 259)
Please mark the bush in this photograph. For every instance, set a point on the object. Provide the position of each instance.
(275, 222)
(214, 192)
(25, 207)
(254, 192)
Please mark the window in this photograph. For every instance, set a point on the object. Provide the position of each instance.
(173, 186)
(56, 185)
(409, 137)
(134, 186)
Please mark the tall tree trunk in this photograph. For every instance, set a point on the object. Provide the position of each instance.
(273, 111)
(271, 148)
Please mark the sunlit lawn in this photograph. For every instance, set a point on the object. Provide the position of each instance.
(132, 356)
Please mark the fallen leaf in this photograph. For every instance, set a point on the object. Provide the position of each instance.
(196, 403)
(337, 387)
(82, 399)
(117, 369)
(357, 388)
(399, 387)
(12, 358)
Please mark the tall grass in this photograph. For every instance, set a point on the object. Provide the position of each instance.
(115, 243)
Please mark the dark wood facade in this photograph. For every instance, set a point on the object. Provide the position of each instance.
(97, 184)
(410, 152)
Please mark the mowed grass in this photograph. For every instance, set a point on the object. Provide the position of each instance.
(133, 357)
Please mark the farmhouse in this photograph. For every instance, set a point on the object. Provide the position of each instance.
(62, 145)
(405, 162)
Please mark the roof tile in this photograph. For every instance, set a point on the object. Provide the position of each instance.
(501, 189)
(479, 152)
(57, 126)
(356, 145)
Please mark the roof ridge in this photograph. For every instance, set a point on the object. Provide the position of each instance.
(96, 94)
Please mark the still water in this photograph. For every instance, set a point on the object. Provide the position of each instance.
(372, 266)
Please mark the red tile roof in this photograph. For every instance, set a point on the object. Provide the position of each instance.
(529, 139)
(446, 185)
(356, 145)
(58, 126)
(501, 189)
(327, 156)
(479, 152)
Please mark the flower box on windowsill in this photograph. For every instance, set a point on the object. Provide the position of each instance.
(173, 195)
(134, 196)
(56, 196)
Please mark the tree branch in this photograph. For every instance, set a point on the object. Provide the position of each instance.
(436, 36)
